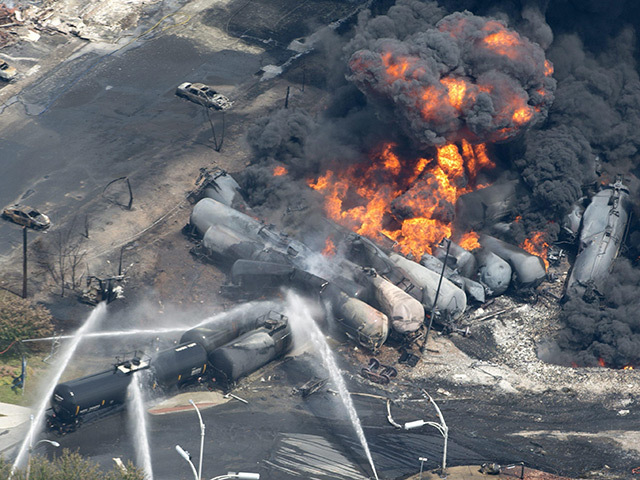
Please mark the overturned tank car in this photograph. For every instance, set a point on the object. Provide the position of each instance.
(604, 224)
(251, 351)
(529, 270)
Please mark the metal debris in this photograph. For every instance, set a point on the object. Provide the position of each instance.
(377, 372)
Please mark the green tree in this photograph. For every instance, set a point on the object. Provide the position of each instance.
(69, 466)
(21, 319)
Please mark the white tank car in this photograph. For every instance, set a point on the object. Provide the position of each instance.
(451, 299)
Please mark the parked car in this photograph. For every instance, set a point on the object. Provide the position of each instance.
(27, 216)
(204, 95)
(7, 72)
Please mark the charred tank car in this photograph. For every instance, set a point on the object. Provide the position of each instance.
(603, 227)
(251, 351)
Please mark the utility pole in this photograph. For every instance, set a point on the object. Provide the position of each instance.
(24, 262)
(433, 307)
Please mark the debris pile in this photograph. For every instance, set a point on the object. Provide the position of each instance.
(7, 20)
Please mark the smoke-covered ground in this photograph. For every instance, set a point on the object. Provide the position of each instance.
(564, 134)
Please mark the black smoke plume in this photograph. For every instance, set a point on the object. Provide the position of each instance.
(584, 130)
(464, 77)
(605, 329)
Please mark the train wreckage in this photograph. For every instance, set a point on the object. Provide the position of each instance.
(369, 293)
(604, 226)
(373, 292)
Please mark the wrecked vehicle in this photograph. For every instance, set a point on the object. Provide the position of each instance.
(529, 270)
(360, 321)
(216, 183)
(251, 351)
(26, 216)
(7, 72)
(488, 205)
(451, 300)
(494, 273)
(209, 213)
(604, 225)
(473, 289)
(204, 95)
(405, 312)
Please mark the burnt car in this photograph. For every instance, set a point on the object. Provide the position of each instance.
(27, 216)
(204, 95)
(7, 72)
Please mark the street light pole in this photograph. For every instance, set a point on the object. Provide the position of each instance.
(441, 427)
(238, 476)
(201, 438)
(32, 447)
(184, 454)
(422, 460)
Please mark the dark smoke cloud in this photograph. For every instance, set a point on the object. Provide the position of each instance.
(555, 165)
(593, 46)
(281, 136)
(599, 95)
(607, 327)
(403, 63)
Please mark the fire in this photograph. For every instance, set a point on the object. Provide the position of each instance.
(279, 171)
(408, 200)
(601, 362)
(501, 75)
(627, 367)
(523, 115)
(329, 249)
(469, 241)
(456, 89)
(536, 245)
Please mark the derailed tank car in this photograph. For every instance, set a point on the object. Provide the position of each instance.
(179, 365)
(251, 351)
(603, 227)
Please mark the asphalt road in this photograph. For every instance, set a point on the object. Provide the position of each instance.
(119, 117)
(108, 111)
(103, 114)
(277, 434)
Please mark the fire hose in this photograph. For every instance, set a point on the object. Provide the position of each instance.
(7, 349)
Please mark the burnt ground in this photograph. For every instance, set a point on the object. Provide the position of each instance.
(501, 403)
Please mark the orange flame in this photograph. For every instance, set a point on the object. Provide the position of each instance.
(329, 249)
(504, 42)
(469, 241)
(456, 89)
(627, 367)
(536, 245)
(279, 171)
(601, 362)
(408, 200)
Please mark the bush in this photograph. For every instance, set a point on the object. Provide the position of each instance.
(69, 466)
(20, 319)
